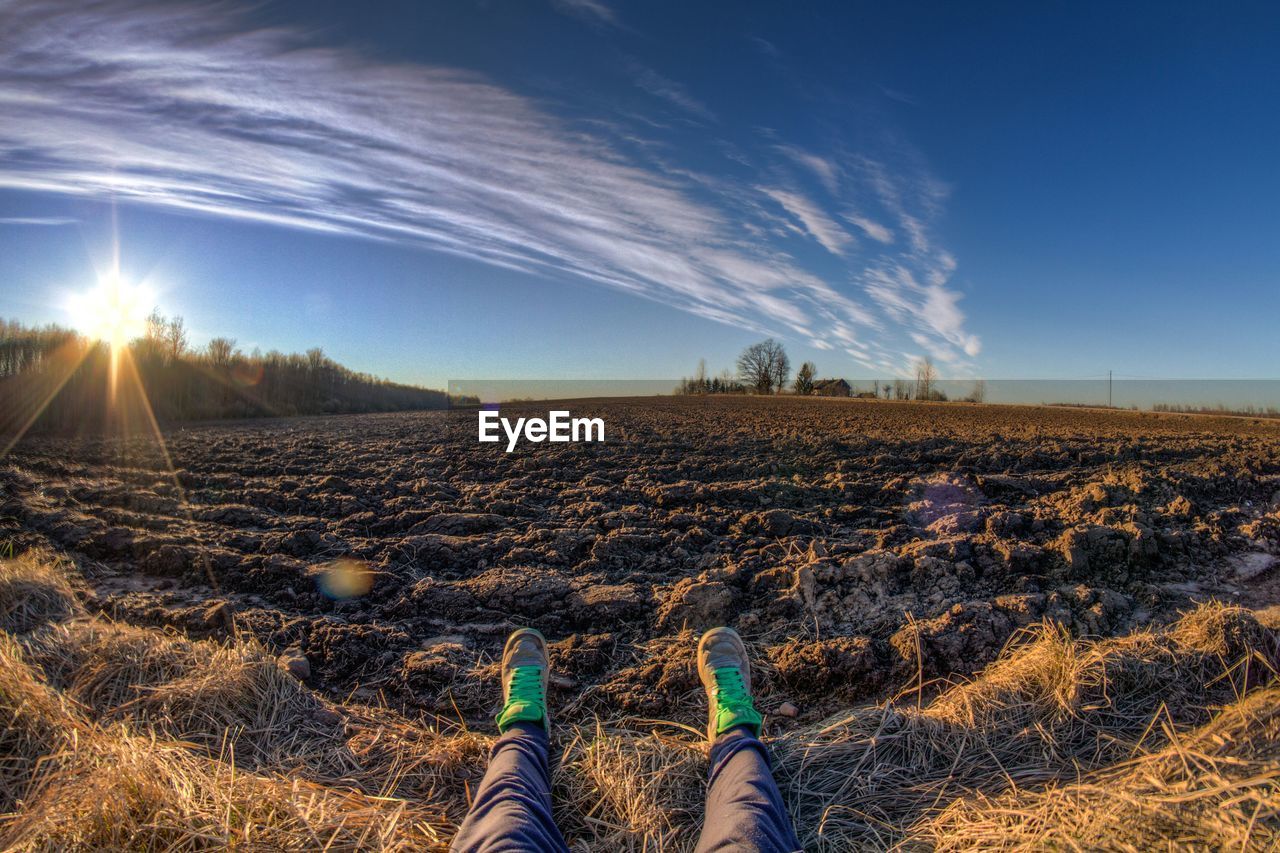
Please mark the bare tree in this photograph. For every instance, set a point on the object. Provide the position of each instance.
(804, 379)
(164, 337)
(900, 390)
(175, 337)
(764, 366)
(699, 384)
(926, 374)
(781, 369)
(156, 324)
(221, 351)
(979, 391)
(754, 367)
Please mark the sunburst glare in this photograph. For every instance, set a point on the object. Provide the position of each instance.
(114, 312)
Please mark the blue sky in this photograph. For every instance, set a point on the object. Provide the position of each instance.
(598, 188)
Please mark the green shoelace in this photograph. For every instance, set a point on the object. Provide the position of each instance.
(733, 703)
(525, 702)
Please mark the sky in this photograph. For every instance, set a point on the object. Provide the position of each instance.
(610, 189)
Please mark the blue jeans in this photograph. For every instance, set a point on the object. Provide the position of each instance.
(512, 808)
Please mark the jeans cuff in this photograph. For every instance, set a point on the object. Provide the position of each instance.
(525, 731)
(737, 738)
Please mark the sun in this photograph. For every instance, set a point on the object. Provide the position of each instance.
(114, 312)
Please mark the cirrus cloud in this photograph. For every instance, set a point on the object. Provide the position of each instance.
(191, 109)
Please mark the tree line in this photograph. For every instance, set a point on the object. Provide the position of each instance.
(67, 379)
(765, 368)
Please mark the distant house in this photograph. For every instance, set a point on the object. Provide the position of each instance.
(832, 388)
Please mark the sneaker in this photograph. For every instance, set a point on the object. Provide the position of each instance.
(726, 674)
(524, 680)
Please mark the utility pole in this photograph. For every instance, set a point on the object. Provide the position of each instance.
(1108, 389)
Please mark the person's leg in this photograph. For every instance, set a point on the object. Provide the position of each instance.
(511, 810)
(744, 808)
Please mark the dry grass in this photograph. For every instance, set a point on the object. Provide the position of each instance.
(631, 790)
(119, 737)
(83, 782)
(1050, 709)
(120, 791)
(234, 699)
(208, 694)
(36, 721)
(115, 736)
(106, 664)
(34, 591)
(415, 762)
(1217, 787)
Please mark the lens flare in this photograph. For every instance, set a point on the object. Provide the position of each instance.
(247, 375)
(344, 579)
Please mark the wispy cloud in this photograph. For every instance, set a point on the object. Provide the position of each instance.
(765, 46)
(930, 311)
(177, 106)
(815, 222)
(826, 170)
(870, 227)
(37, 220)
(591, 10)
(668, 90)
(899, 96)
